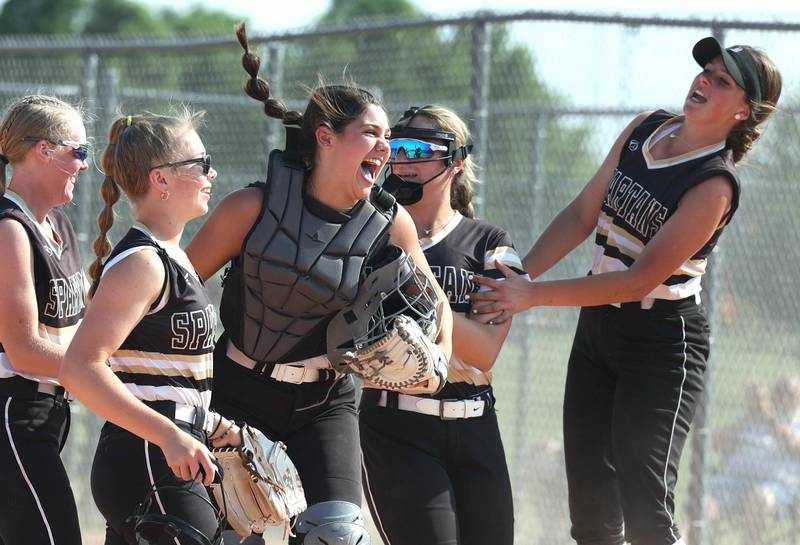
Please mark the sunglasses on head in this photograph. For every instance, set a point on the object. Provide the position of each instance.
(204, 160)
(413, 148)
(80, 150)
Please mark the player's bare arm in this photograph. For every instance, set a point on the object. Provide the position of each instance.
(220, 239)
(28, 351)
(697, 218)
(478, 343)
(122, 299)
(577, 221)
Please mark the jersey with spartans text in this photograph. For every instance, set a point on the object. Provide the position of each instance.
(57, 278)
(464, 247)
(644, 192)
(169, 354)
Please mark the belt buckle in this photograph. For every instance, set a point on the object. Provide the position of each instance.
(441, 409)
(292, 374)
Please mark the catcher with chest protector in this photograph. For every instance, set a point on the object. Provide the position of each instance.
(299, 245)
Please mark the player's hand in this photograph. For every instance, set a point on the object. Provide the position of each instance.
(505, 297)
(228, 435)
(488, 318)
(186, 455)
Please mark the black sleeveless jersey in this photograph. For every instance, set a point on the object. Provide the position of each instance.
(57, 277)
(168, 355)
(644, 192)
(467, 246)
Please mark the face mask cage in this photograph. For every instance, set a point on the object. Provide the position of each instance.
(414, 296)
(160, 529)
(393, 286)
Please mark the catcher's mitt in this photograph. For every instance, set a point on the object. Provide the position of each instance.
(404, 360)
(260, 485)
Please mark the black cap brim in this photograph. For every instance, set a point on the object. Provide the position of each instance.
(739, 63)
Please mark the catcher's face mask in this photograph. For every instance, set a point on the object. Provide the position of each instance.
(158, 529)
(417, 145)
(394, 286)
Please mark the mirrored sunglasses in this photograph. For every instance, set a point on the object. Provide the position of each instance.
(413, 148)
(80, 150)
(205, 161)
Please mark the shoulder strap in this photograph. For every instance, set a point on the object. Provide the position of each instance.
(382, 200)
(294, 143)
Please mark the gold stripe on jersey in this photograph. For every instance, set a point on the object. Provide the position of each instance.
(618, 237)
(161, 371)
(693, 267)
(198, 367)
(460, 371)
(631, 247)
(506, 255)
(189, 358)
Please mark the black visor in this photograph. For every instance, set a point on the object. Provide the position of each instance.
(738, 61)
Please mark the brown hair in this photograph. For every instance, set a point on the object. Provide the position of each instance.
(744, 135)
(463, 187)
(332, 106)
(33, 115)
(135, 144)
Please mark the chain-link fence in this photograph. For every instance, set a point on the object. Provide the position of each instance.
(545, 95)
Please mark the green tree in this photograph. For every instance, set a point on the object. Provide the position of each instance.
(55, 17)
(435, 65)
(125, 18)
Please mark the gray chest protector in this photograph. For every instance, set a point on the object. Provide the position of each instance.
(297, 269)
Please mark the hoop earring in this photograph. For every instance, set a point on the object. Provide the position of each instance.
(164, 195)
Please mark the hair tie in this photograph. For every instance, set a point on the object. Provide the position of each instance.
(4, 159)
(129, 121)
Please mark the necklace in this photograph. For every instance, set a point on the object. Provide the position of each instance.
(434, 228)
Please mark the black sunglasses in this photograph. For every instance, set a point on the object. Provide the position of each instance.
(204, 160)
(80, 150)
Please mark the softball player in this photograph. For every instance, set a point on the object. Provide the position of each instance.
(659, 203)
(434, 466)
(142, 358)
(298, 245)
(43, 297)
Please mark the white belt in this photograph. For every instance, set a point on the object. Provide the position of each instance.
(444, 409)
(47, 388)
(296, 372)
(188, 413)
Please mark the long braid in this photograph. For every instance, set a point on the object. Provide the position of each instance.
(258, 88)
(110, 192)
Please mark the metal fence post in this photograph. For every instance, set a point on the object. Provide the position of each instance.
(85, 193)
(525, 328)
(272, 128)
(479, 98)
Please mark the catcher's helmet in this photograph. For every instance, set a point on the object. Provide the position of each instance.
(159, 529)
(394, 286)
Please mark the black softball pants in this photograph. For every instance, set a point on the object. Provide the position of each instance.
(432, 481)
(634, 379)
(124, 470)
(37, 506)
(317, 421)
